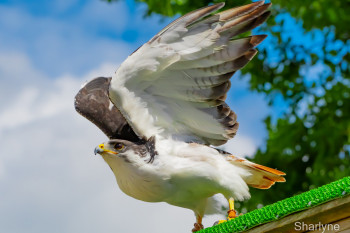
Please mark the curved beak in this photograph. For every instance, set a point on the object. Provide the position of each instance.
(99, 149)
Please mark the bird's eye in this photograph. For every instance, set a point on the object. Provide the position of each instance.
(118, 146)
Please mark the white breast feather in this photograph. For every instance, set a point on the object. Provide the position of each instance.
(180, 175)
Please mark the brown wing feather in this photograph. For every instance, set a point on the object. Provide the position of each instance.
(189, 18)
(92, 102)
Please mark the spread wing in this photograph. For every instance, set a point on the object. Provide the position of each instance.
(175, 85)
(92, 102)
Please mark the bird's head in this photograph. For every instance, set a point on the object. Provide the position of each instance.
(127, 151)
(113, 147)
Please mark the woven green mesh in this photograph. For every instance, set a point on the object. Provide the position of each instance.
(285, 207)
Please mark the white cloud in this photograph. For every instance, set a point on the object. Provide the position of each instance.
(241, 145)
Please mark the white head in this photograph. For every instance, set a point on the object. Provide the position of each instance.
(117, 150)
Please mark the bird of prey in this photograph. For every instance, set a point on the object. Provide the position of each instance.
(164, 112)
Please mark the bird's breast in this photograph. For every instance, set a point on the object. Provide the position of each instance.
(140, 183)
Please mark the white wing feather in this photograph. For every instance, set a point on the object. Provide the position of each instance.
(175, 85)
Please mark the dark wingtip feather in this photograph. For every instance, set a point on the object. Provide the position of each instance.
(239, 11)
(257, 39)
(261, 19)
(190, 18)
(250, 54)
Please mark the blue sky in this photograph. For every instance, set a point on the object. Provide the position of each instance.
(51, 32)
(49, 180)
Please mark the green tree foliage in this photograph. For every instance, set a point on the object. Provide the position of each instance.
(302, 66)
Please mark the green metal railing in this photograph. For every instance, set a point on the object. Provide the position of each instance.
(283, 208)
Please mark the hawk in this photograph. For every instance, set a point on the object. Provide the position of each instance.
(164, 110)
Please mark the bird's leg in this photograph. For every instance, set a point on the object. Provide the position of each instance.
(231, 213)
(198, 225)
